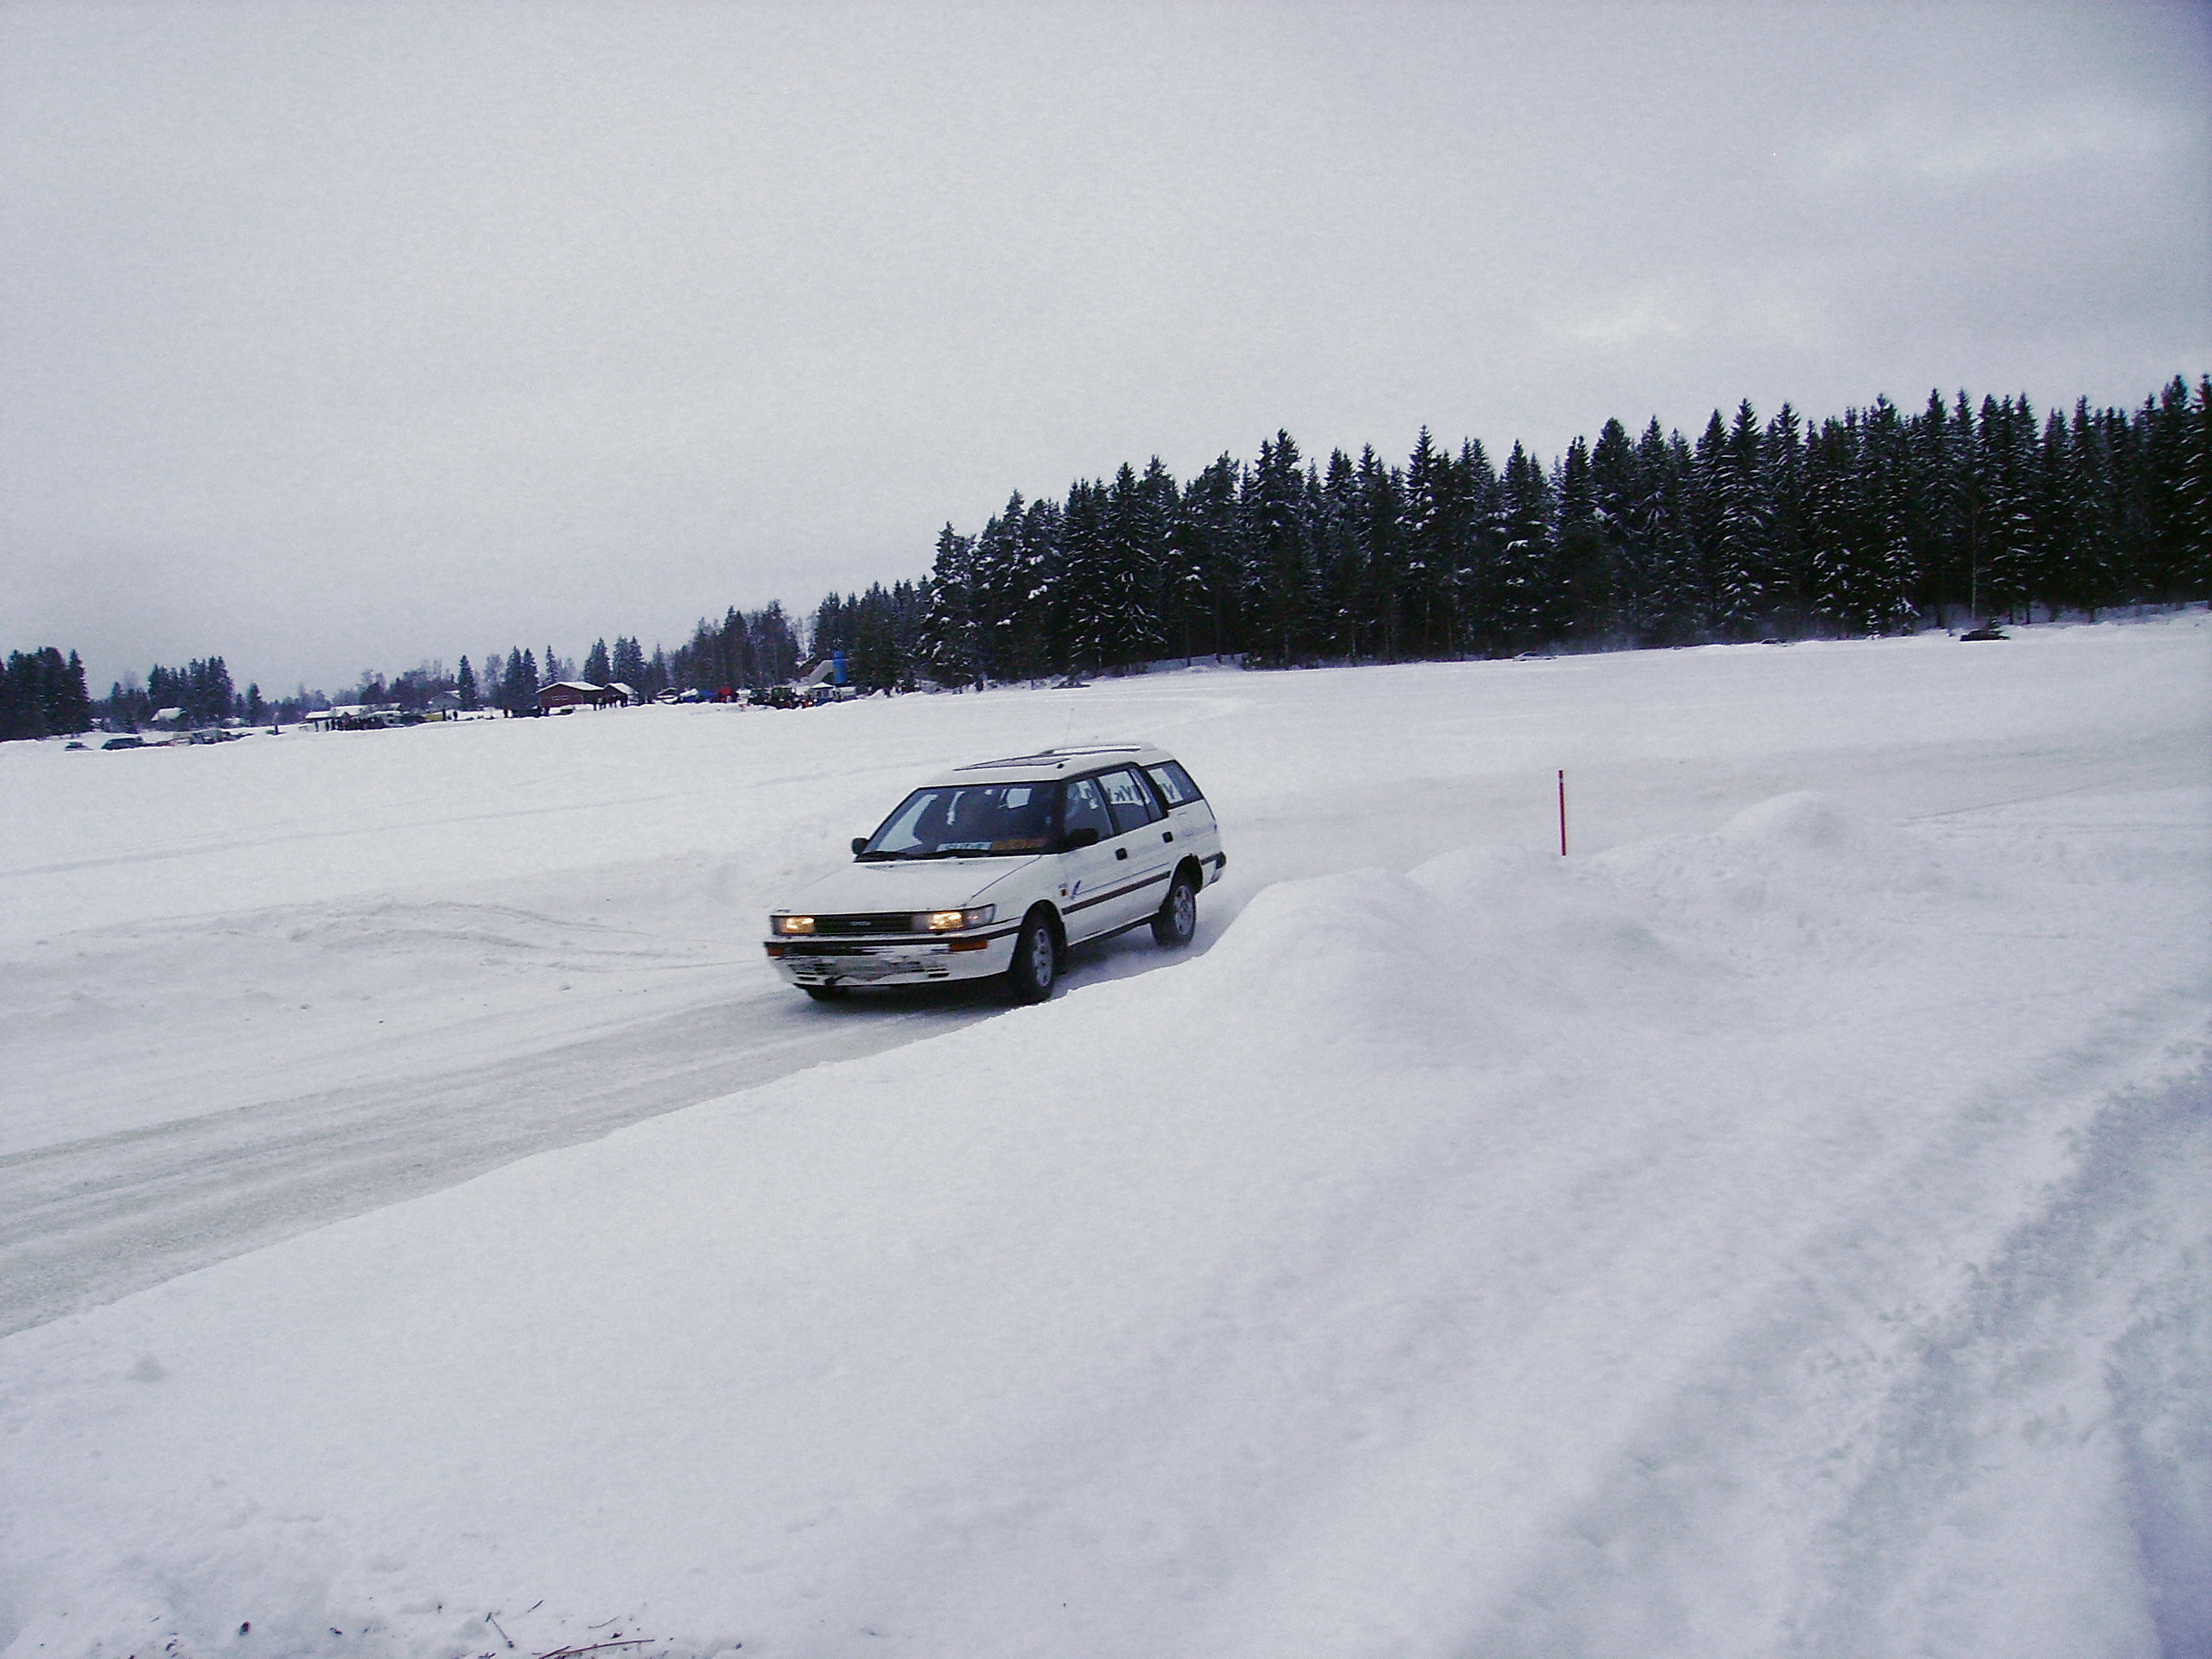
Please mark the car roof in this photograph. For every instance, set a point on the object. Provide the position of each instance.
(1053, 763)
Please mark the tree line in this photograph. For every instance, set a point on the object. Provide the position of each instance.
(1867, 523)
(43, 696)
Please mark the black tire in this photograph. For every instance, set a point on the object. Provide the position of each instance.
(823, 993)
(1177, 920)
(1036, 962)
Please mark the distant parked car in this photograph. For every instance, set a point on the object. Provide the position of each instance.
(997, 868)
(124, 743)
(1985, 631)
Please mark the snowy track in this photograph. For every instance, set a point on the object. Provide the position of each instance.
(1778, 1228)
(84, 1222)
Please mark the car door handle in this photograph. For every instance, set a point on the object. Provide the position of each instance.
(1121, 852)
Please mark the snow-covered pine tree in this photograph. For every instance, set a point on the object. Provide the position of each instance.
(1424, 572)
(950, 648)
(2003, 456)
(1080, 595)
(1279, 577)
(1584, 572)
(1210, 528)
(1739, 561)
(1137, 515)
(1524, 582)
(1381, 529)
(1340, 576)
(627, 663)
(1674, 581)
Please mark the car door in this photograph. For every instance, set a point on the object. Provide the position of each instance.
(1144, 853)
(1089, 876)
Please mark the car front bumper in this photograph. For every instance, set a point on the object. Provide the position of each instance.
(892, 962)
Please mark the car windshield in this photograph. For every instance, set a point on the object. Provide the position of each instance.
(970, 821)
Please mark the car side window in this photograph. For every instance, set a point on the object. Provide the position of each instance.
(1085, 809)
(1175, 785)
(1129, 801)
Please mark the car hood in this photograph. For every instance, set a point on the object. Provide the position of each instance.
(922, 884)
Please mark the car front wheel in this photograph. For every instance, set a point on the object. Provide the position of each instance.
(1036, 962)
(1178, 917)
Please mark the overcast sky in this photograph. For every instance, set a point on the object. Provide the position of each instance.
(346, 335)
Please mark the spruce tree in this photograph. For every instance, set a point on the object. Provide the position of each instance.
(951, 644)
(2175, 485)
(1279, 581)
(1584, 571)
(1341, 574)
(1783, 445)
(1885, 580)
(1211, 527)
(1739, 561)
(628, 665)
(1134, 538)
(1083, 630)
(1380, 531)
(1426, 569)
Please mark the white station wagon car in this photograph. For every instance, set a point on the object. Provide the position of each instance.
(996, 868)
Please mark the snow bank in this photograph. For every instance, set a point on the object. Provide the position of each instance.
(1784, 1237)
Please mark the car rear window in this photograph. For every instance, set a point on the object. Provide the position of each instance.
(1175, 785)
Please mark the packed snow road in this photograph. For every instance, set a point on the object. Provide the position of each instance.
(1775, 1228)
(491, 940)
(184, 1087)
(84, 1222)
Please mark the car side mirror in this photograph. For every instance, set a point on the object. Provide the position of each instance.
(1085, 836)
(860, 843)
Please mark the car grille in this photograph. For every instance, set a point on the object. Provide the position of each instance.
(849, 926)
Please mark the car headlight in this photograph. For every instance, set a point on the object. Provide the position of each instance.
(951, 921)
(791, 924)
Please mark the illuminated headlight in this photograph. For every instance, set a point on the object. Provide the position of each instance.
(951, 921)
(791, 924)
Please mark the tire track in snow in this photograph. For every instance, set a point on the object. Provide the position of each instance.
(1908, 1435)
(88, 1222)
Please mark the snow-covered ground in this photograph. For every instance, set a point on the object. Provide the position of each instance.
(1782, 1226)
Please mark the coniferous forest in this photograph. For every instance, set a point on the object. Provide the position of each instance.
(1872, 522)
(41, 695)
(1875, 521)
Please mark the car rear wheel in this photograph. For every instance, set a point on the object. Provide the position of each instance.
(1036, 962)
(1177, 916)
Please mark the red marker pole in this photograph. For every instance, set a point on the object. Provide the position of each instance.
(1562, 814)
